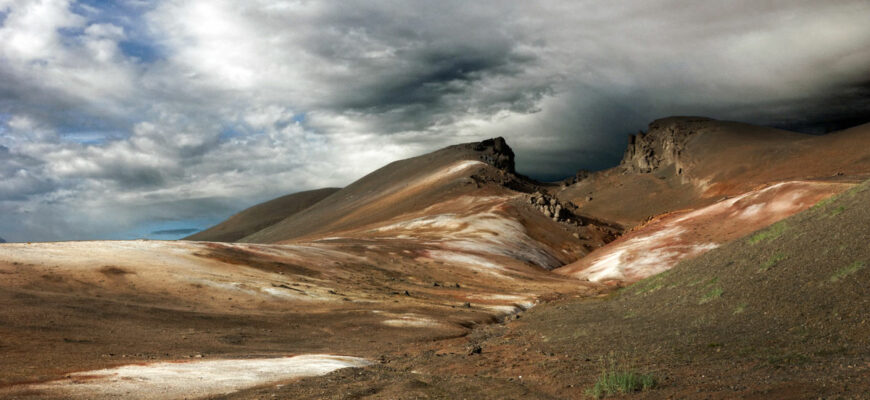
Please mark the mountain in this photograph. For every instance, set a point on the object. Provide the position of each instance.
(2, 240)
(426, 271)
(421, 249)
(402, 187)
(688, 162)
(781, 313)
(261, 216)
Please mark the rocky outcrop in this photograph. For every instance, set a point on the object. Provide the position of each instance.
(552, 208)
(592, 233)
(661, 146)
(497, 153)
(579, 176)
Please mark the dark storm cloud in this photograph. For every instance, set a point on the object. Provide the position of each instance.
(115, 115)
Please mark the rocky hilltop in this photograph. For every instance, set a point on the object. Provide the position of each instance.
(497, 153)
(662, 145)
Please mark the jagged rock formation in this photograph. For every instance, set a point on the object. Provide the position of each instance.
(592, 232)
(497, 153)
(661, 146)
(550, 207)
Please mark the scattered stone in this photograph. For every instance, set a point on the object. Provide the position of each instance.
(466, 305)
(476, 349)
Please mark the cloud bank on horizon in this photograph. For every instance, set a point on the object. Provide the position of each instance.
(115, 116)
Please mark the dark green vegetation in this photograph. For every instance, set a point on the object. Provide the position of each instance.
(620, 380)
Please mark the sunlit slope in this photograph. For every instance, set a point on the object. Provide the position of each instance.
(400, 187)
(108, 303)
(261, 216)
(658, 245)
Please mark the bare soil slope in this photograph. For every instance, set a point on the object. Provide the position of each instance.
(404, 267)
(658, 245)
(689, 162)
(399, 187)
(782, 313)
(460, 248)
(261, 216)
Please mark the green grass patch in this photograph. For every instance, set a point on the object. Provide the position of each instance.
(713, 294)
(774, 231)
(837, 211)
(824, 202)
(614, 381)
(740, 308)
(771, 262)
(650, 284)
(847, 270)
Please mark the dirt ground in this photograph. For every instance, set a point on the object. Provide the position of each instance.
(431, 274)
(729, 324)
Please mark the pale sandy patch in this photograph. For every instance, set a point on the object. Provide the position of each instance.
(185, 380)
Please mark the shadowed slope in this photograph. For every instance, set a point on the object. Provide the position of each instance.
(689, 162)
(261, 216)
(783, 312)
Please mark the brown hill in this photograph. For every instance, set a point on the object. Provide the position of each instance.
(403, 267)
(689, 162)
(782, 313)
(401, 187)
(261, 216)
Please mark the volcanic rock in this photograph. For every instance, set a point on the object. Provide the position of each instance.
(497, 153)
(661, 146)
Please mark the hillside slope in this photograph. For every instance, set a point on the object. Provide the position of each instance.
(658, 245)
(781, 313)
(690, 162)
(398, 188)
(410, 254)
(261, 216)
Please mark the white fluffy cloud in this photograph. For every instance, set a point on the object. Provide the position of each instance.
(114, 117)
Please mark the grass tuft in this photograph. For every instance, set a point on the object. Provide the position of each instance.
(847, 270)
(837, 211)
(650, 284)
(613, 381)
(713, 294)
(772, 261)
(773, 232)
(740, 308)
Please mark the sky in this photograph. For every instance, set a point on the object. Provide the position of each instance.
(148, 119)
